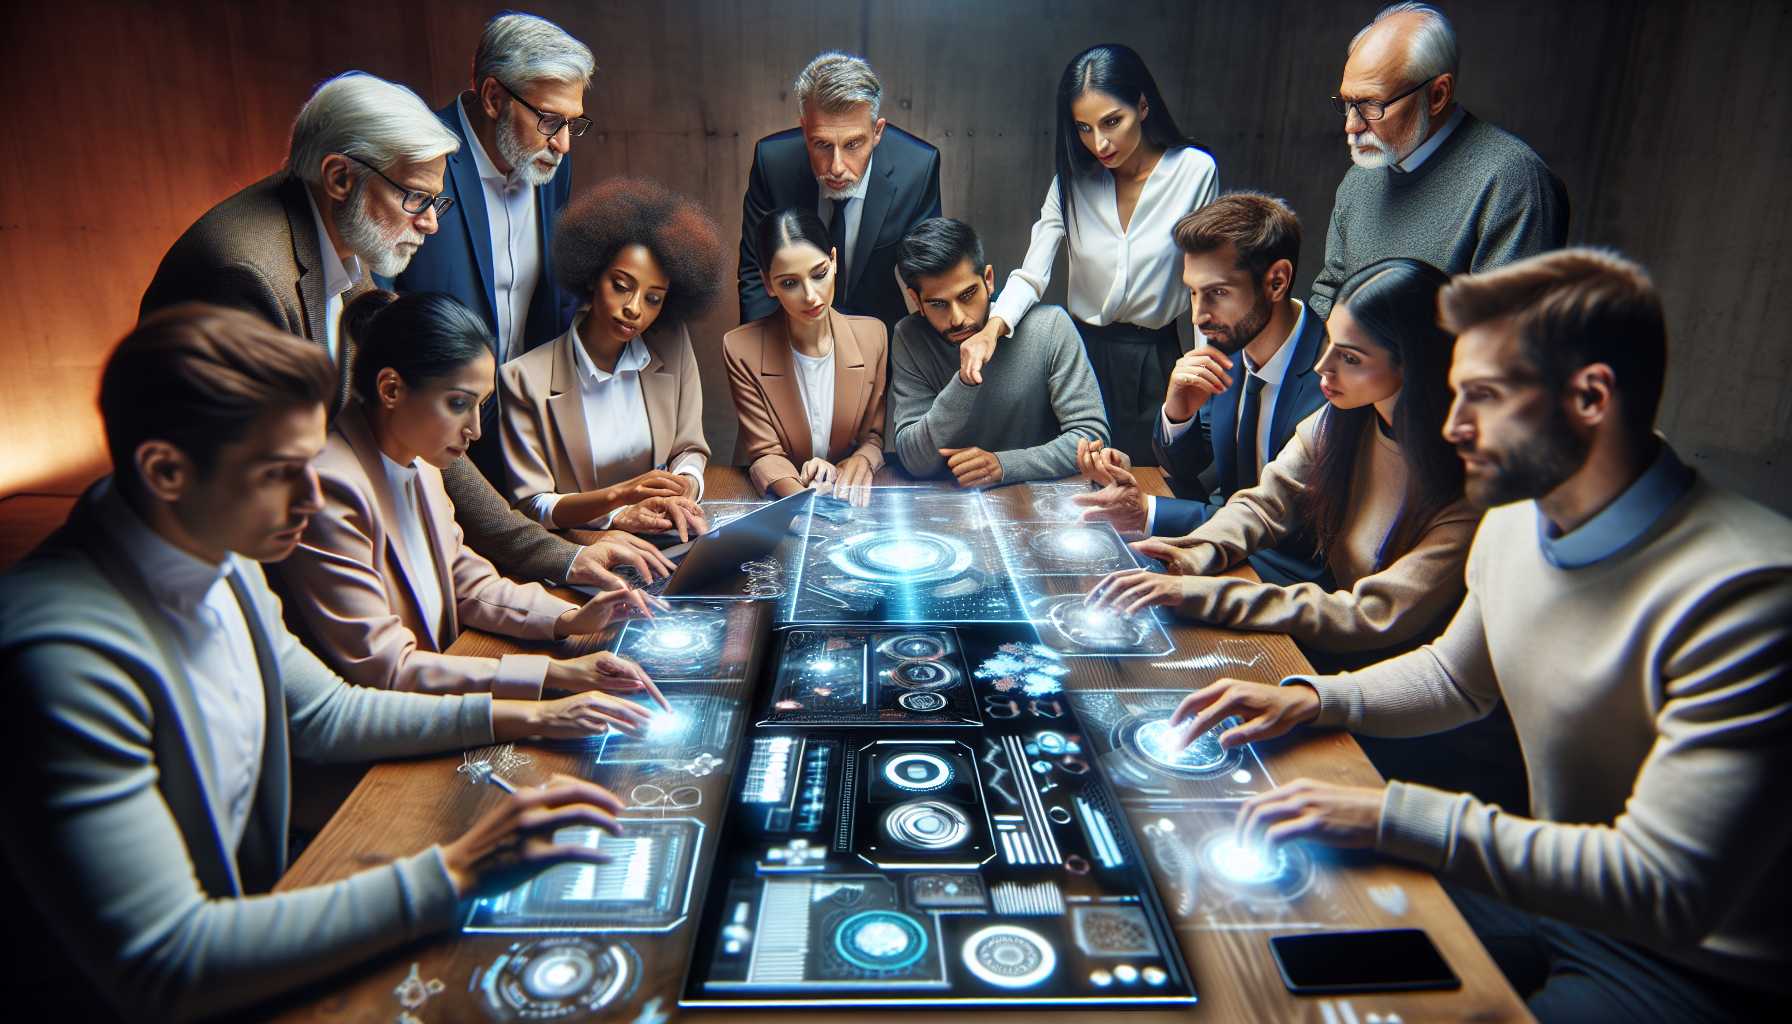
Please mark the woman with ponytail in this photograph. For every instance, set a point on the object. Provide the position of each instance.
(381, 584)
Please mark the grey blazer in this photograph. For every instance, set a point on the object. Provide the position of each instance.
(113, 815)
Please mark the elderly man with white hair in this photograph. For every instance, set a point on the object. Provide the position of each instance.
(1430, 181)
(509, 180)
(870, 182)
(361, 191)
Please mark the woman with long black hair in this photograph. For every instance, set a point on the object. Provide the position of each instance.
(1125, 174)
(1370, 474)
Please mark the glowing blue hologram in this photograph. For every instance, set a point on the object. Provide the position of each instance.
(912, 555)
(557, 977)
(1057, 549)
(1144, 757)
(852, 675)
(696, 640)
(1163, 743)
(645, 888)
(1257, 873)
(1028, 668)
(697, 724)
(1068, 624)
(880, 940)
(1009, 956)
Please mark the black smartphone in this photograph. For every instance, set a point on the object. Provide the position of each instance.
(1390, 960)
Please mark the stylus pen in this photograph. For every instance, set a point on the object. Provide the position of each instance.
(491, 775)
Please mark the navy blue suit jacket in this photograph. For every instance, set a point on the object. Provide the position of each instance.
(457, 260)
(1213, 441)
(904, 191)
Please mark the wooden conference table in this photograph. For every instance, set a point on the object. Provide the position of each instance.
(401, 807)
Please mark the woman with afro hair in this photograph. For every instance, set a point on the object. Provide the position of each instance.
(603, 427)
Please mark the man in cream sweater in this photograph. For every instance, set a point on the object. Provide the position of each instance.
(1637, 621)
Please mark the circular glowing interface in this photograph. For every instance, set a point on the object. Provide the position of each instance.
(561, 977)
(1098, 628)
(880, 940)
(923, 675)
(922, 702)
(1077, 545)
(677, 641)
(927, 825)
(914, 646)
(1154, 739)
(918, 772)
(1009, 956)
(892, 556)
(1260, 872)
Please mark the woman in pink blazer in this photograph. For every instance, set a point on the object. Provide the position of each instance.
(381, 583)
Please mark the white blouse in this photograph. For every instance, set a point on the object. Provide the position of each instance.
(1132, 276)
(815, 379)
(415, 552)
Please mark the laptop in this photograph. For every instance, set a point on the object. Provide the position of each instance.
(720, 553)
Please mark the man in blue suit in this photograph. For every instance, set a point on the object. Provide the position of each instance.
(510, 178)
(870, 182)
(1233, 401)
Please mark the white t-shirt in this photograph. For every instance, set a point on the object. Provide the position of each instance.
(815, 379)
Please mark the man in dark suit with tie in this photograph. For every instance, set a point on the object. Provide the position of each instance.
(869, 180)
(509, 179)
(1233, 401)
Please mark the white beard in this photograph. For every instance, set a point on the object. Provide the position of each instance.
(525, 164)
(1383, 155)
(385, 251)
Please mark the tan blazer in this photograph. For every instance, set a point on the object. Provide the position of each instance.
(774, 428)
(349, 595)
(257, 251)
(547, 448)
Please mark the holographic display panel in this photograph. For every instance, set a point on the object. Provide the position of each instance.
(1145, 758)
(911, 555)
(844, 676)
(887, 861)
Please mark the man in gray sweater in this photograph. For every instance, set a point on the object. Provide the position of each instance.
(1637, 622)
(155, 701)
(1431, 181)
(1038, 396)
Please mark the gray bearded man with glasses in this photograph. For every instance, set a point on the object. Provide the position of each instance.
(510, 178)
(1430, 181)
(362, 189)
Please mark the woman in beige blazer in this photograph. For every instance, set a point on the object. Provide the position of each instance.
(808, 380)
(381, 584)
(604, 425)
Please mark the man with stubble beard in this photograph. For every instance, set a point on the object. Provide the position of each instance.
(1637, 621)
(1222, 420)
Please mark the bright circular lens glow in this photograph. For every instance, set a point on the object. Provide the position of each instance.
(918, 772)
(1245, 863)
(901, 555)
(927, 825)
(1161, 742)
(1009, 956)
(880, 940)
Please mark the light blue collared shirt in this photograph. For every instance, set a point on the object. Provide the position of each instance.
(1420, 155)
(1620, 523)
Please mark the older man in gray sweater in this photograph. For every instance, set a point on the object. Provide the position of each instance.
(1034, 399)
(1637, 621)
(1431, 181)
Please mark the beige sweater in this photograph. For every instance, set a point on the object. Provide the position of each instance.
(1652, 694)
(1375, 609)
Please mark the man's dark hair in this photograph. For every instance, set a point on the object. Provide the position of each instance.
(611, 215)
(1573, 308)
(1260, 227)
(425, 336)
(197, 376)
(935, 246)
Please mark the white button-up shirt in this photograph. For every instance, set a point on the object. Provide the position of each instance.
(415, 552)
(339, 276)
(1131, 276)
(217, 654)
(615, 423)
(515, 244)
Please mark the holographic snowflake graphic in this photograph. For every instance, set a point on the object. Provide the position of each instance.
(1033, 669)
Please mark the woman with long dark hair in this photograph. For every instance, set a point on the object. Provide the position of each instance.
(1370, 474)
(807, 379)
(1125, 174)
(381, 584)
